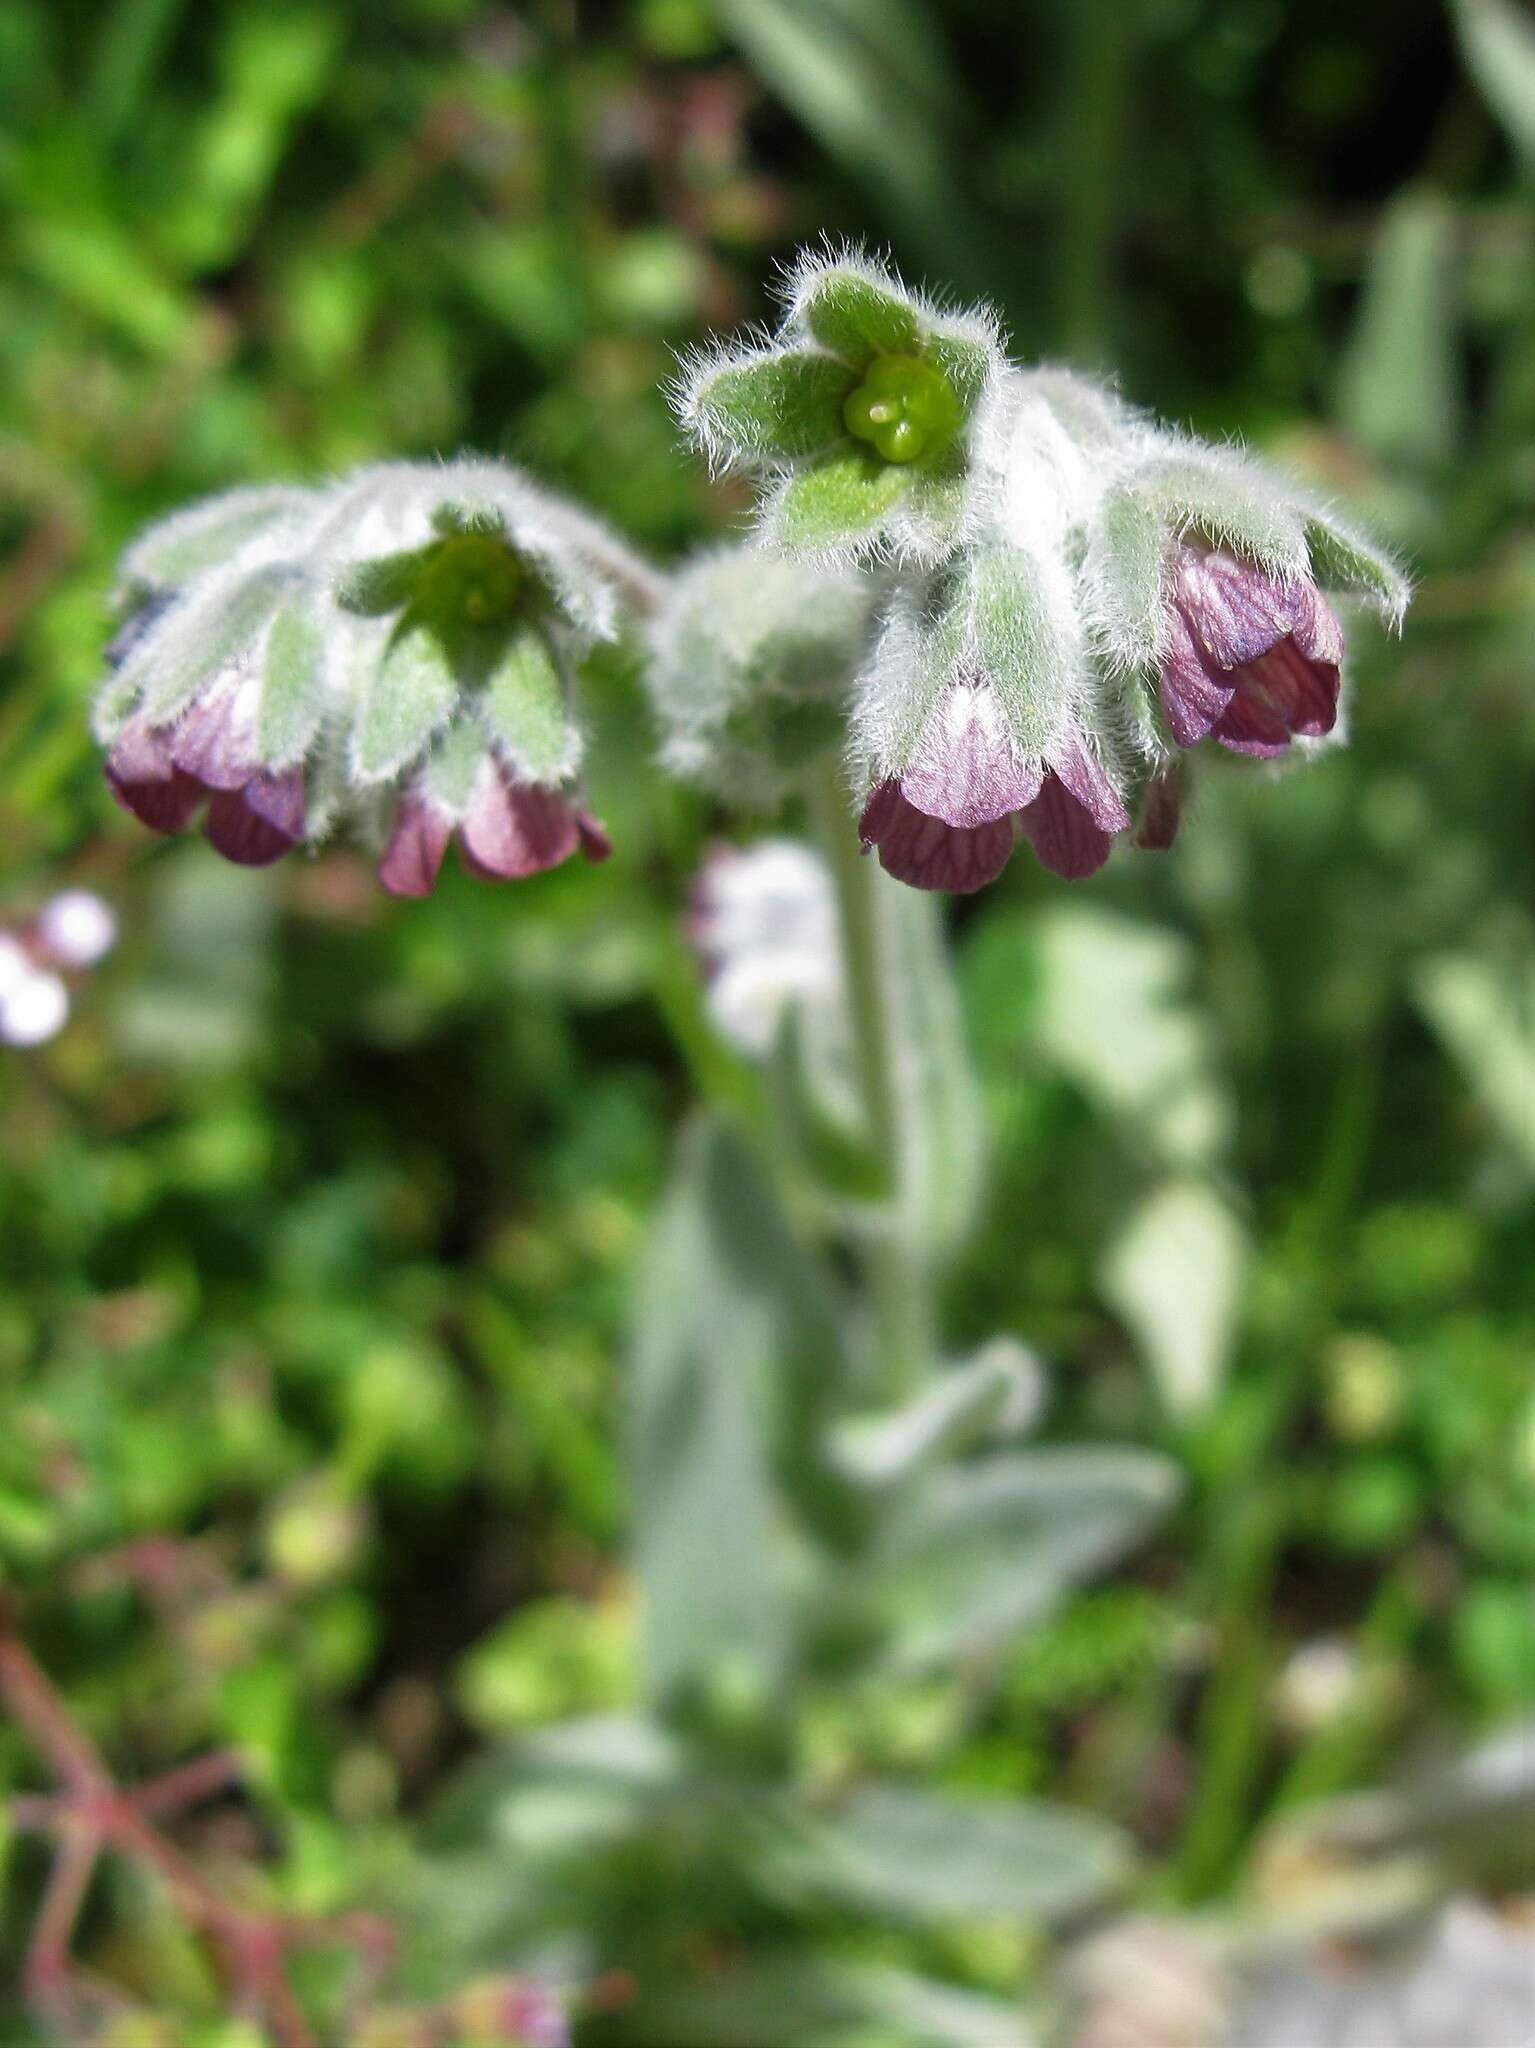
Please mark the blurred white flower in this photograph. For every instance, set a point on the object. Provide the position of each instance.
(33, 1002)
(765, 924)
(76, 928)
(1319, 1682)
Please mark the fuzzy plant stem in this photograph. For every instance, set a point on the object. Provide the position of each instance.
(898, 1262)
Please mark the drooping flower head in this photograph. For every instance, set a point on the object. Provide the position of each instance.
(402, 641)
(860, 413)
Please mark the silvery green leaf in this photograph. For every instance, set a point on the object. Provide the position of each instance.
(734, 1348)
(1175, 1274)
(811, 1997)
(1498, 38)
(838, 508)
(1114, 1012)
(216, 625)
(854, 309)
(766, 405)
(980, 1551)
(294, 678)
(1227, 497)
(603, 1774)
(209, 534)
(524, 706)
(1122, 575)
(913, 1853)
(941, 1129)
(1398, 386)
(408, 698)
(1028, 636)
(453, 763)
(997, 1393)
(1345, 558)
(1483, 1010)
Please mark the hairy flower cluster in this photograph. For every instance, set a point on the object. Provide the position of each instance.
(859, 415)
(1084, 593)
(395, 651)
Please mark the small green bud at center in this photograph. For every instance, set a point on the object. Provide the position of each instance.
(471, 578)
(904, 408)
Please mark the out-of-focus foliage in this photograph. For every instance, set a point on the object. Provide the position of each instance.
(318, 1222)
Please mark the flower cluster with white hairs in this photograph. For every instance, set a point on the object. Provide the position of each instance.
(1075, 593)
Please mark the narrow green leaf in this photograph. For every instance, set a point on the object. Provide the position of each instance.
(207, 535)
(1499, 43)
(1175, 1274)
(200, 637)
(843, 499)
(981, 1551)
(996, 1392)
(1483, 1010)
(926, 1856)
(855, 317)
(1234, 502)
(1123, 578)
(1342, 558)
(293, 680)
(409, 697)
(1398, 386)
(781, 404)
(734, 1348)
(524, 706)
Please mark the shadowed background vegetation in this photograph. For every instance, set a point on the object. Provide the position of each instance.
(318, 1221)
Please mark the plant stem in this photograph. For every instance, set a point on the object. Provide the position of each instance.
(898, 1261)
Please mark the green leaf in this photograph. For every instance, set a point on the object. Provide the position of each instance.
(810, 1997)
(734, 1348)
(905, 1852)
(965, 360)
(996, 1393)
(524, 705)
(781, 404)
(409, 697)
(1483, 1011)
(386, 584)
(1343, 558)
(1126, 551)
(200, 637)
(293, 680)
(1025, 627)
(1235, 502)
(1175, 1274)
(983, 1550)
(856, 318)
(1498, 39)
(942, 1128)
(1398, 387)
(842, 499)
(206, 535)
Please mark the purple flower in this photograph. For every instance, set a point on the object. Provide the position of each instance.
(1251, 659)
(951, 818)
(164, 775)
(506, 830)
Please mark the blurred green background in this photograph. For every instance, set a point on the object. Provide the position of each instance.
(317, 1222)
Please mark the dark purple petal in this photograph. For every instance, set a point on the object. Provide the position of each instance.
(144, 779)
(416, 846)
(1082, 774)
(1193, 694)
(595, 843)
(965, 768)
(1251, 724)
(1161, 810)
(1236, 609)
(212, 741)
(929, 853)
(1063, 832)
(1317, 632)
(258, 824)
(512, 830)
